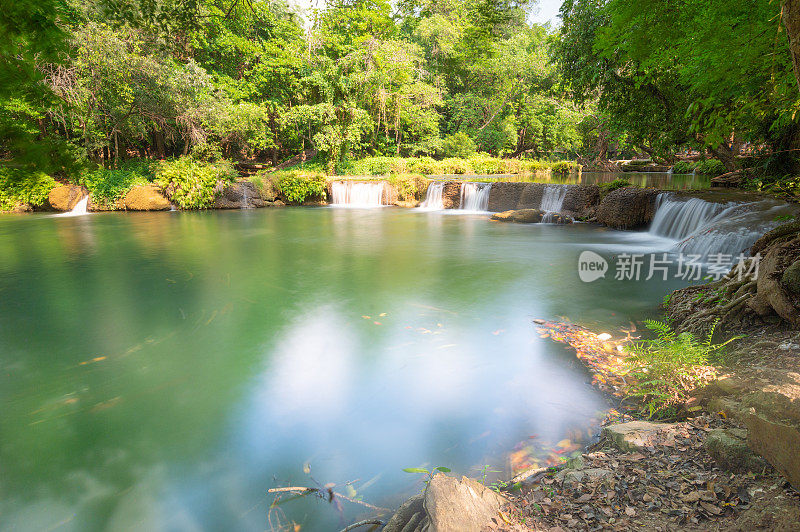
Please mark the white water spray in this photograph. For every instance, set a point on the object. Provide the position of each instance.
(365, 195)
(711, 229)
(434, 197)
(80, 208)
(475, 196)
(552, 202)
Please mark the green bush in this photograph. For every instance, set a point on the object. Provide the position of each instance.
(18, 187)
(667, 368)
(683, 167)
(108, 185)
(710, 167)
(376, 166)
(409, 186)
(458, 145)
(455, 166)
(563, 167)
(192, 184)
(614, 185)
(483, 163)
(297, 187)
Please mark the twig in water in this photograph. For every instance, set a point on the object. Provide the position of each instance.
(362, 523)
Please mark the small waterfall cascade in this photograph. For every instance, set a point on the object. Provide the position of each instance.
(245, 199)
(434, 197)
(351, 194)
(678, 219)
(80, 208)
(705, 228)
(552, 201)
(475, 196)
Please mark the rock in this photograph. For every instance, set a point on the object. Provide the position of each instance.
(504, 216)
(570, 477)
(506, 196)
(239, 195)
(627, 208)
(145, 198)
(557, 218)
(636, 435)
(454, 505)
(278, 203)
(581, 201)
(65, 197)
(522, 216)
(451, 195)
(410, 512)
(527, 216)
(729, 449)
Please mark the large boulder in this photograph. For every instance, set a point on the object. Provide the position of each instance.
(145, 198)
(628, 208)
(65, 197)
(729, 449)
(239, 195)
(767, 403)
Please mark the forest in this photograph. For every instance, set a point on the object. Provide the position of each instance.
(94, 86)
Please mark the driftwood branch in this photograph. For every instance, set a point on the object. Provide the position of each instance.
(303, 490)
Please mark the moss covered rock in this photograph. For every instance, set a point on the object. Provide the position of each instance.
(65, 197)
(145, 198)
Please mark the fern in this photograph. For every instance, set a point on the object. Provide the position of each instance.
(667, 367)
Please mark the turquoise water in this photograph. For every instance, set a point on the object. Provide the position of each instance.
(163, 371)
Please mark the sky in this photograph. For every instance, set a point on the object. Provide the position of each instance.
(544, 11)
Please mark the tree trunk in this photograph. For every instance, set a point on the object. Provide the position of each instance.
(790, 14)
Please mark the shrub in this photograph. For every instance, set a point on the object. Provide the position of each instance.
(710, 167)
(108, 185)
(297, 187)
(193, 184)
(683, 167)
(458, 145)
(27, 187)
(668, 367)
(614, 185)
(409, 186)
(455, 166)
(425, 166)
(376, 166)
(482, 163)
(564, 167)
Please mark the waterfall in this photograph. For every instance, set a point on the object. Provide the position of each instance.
(704, 228)
(677, 219)
(358, 194)
(475, 196)
(552, 201)
(434, 197)
(80, 208)
(245, 199)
